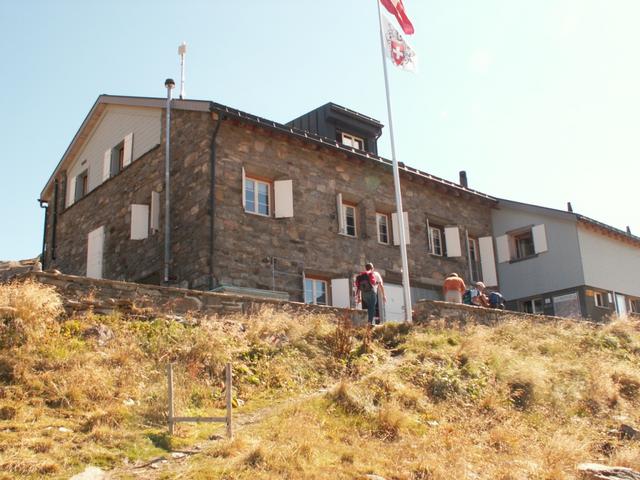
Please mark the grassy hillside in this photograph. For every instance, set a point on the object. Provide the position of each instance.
(314, 399)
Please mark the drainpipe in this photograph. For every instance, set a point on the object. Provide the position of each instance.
(44, 204)
(212, 194)
(169, 83)
(54, 225)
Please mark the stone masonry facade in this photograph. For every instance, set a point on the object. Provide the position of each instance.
(251, 250)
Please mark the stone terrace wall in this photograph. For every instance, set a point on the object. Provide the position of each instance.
(108, 296)
(458, 315)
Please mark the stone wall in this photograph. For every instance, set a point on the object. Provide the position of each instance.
(250, 250)
(458, 315)
(81, 294)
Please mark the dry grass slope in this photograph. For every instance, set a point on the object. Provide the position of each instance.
(314, 398)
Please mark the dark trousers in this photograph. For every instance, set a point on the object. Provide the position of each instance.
(369, 301)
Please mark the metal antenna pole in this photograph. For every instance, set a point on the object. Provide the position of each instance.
(182, 50)
(169, 83)
(396, 182)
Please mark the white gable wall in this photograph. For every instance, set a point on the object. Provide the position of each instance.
(609, 263)
(117, 122)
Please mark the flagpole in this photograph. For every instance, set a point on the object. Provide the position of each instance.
(396, 182)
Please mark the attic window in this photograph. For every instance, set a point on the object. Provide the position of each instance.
(352, 141)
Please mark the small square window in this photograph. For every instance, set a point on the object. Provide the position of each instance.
(635, 305)
(533, 306)
(352, 141)
(598, 299)
(315, 291)
(382, 222)
(524, 245)
(257, 196)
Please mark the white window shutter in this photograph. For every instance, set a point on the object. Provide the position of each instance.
(128, 150)
(139, 222)
(487, 261)
(452, 240)
(396, 228)
(244, 181)
(341, 219)
(283, 191)
(71, 191)
(95, 250)
(106, 166)
(154, 217)
(429, 238)
(340, 293)
(539, 238)
(502, 245)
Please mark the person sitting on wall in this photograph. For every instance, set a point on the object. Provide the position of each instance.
(453, 288)
(478, 297)
(496, 300)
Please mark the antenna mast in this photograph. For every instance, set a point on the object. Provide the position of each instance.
(182, 50)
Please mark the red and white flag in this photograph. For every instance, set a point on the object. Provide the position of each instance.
(396, 48)
(396, 8)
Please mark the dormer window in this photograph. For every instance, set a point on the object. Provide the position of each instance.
(352, 141)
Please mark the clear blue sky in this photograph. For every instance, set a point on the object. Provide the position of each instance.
(538, 101)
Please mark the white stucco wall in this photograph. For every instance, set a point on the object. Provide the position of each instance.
(116, 122)
(609, 263)
(558, 268)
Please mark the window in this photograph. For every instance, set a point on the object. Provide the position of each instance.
(436, 246)
(349, 219)
(352, 141)
(117, 159)
(533, 306)
(523, 245)
(82, 183)
(315, 291)
(382, 222)
(474, 260)
(635, 305)
(598, 299)
(257, 196)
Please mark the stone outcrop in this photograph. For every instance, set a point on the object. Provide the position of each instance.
(594, 471)
(12, 269)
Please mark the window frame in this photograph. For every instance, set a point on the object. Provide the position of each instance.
(634, 305)
(257, 181)
(379, 217)
(350, 206)
(440, 230)
(599, 303)
(517, 238)
(533, 301)
(352, 140)
(315, 281)
(82, 179)
(474, 260)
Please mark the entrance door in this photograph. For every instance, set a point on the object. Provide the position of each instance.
(394, 308)
(95, 247)
(621, 305)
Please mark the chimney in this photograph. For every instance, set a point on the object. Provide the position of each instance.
(628, 229)
(569, 207)
(463, 179)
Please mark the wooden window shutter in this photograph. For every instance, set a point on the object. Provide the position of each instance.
(487, 261)
(341, 219)
(154, 217)
(429, 238)
(539, 238)
(244, 181)
(71, 191)
(95, 250)
(139, 222)
(106, 166)
(502, 245)
(128, 150)
(340, 293)
(283, 202)
(452, 241)
(396, 228)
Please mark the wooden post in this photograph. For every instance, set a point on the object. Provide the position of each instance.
(228, 386)
(170, 396)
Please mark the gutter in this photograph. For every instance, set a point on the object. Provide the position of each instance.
(44, 204)
(212, 193)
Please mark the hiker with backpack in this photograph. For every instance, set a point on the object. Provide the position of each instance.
(367, 285)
